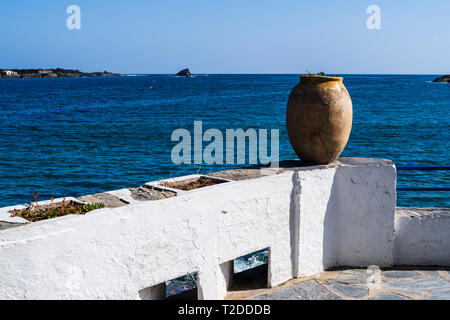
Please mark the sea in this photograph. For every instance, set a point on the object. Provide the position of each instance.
(76, 136)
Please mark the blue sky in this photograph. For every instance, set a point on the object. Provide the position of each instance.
(232, 36)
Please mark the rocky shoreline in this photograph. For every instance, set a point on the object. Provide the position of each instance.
(51, 73)
(445, 78)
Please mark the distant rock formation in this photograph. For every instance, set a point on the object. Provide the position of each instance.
(184, 73)
(445, 78)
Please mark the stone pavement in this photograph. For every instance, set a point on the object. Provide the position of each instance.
(409, 283)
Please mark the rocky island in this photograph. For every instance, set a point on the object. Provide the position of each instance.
(184, 73)
(445, 78)
(52, 73)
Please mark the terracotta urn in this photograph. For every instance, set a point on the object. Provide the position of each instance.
(319, 118)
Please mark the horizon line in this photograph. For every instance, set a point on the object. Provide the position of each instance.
(337, 73)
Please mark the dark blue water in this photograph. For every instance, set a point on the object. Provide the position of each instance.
(69, 137)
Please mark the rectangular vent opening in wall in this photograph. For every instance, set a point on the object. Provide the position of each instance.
(192, 183)
(250, 272)
(181, 288)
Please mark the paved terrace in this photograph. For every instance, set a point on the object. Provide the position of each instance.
(400, 283)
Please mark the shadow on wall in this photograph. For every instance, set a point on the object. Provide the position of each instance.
(317, 217)
(313, 218)
(358, 226)
(330, 226)
(294, 223)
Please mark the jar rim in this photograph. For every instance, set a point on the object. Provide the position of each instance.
(320, 77)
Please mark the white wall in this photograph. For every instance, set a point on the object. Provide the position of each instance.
(422, 236)
(304, 215)
(318, 211)
(115, 253)
(366, 201)
(346, 216)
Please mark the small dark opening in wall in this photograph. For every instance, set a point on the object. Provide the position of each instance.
(182, 288)
(250, 271)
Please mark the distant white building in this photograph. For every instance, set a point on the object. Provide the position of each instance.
(9, 72)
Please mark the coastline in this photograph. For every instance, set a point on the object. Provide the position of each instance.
(51, 73)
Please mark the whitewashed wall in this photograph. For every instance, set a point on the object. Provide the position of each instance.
(422, 236)
(311, 218)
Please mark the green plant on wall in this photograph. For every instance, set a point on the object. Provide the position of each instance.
(321, 73)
